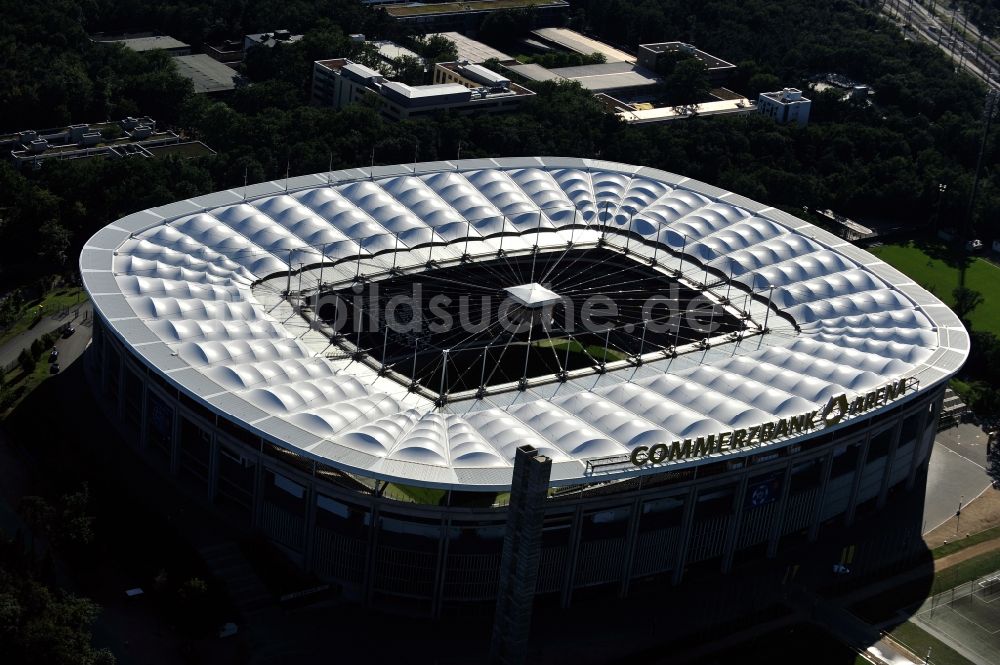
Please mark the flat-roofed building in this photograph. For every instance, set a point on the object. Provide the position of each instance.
(147, 42)
(458, 87)
(472, 51)
(470, 75)
(128, 137)
(785, 106)
(622, 79)
(651, 55)
(468, 16)
(269, 39)
(389, 51)
(229, 50)
(582, 44)
(208, 75)
(645, 114)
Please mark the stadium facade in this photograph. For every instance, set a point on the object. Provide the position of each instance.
(805, 388)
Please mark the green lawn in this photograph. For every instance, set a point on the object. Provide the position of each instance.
(21, 384)
(415, 494)
(596, 352)
(919, 641)
(958, 545)
(966, 571)
(936, 268)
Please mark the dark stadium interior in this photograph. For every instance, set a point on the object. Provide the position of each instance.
(613, 308)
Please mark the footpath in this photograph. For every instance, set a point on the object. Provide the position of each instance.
(11, 349)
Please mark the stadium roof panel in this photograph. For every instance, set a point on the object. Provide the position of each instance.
(196, 288)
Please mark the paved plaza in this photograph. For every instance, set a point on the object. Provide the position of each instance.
(956, 473)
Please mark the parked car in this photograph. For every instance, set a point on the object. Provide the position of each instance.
(69, 331)
(54, 368)
(53, 354)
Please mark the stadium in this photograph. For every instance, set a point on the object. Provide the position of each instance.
(348, 363)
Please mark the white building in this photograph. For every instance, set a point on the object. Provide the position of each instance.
(339, 82)
(785, 106)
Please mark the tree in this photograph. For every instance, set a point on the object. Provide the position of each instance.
(408, 69)
(39, 626)
(688, 82)
(966, 300)
(74, 526)
(437, 48)
(26, 361)
(68, 523)
(993, 458)
(54, 242)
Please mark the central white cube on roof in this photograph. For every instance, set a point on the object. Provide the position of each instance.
(533, 295)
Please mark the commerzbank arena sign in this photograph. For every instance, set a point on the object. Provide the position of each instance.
(837, 408)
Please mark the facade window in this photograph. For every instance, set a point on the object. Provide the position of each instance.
(159, 426)
(845, 462)
(878, 447)
(909, 431)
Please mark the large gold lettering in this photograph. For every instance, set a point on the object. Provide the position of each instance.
(680, 451)
(724, 439)
(766, 431)
(835, 410)
(703, 446)
(658, 453)
(639, 456)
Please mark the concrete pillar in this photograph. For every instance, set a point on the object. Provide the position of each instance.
(442, 566)
(119, 369)
(572, 553)
(883, 490)
(818, 510)
(687, 523)
(779, 518)
(213, 466)
(309, 537)
(369, 579)
(175, 435)
(143, 414)
(859, 470)
(519, 562)
(257, 500)
(631, 535)
(917, 461)
(735, 522)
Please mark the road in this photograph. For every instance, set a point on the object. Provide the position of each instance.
(10, 349)
(946, 32)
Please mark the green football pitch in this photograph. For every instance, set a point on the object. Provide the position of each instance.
(937, 269)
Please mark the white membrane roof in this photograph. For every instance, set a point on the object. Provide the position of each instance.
(195, 289)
